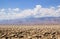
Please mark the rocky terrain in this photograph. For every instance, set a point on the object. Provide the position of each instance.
(29, 31)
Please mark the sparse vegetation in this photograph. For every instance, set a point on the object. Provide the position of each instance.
(29, 31)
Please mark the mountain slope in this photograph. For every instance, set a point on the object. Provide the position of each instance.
(43, 20)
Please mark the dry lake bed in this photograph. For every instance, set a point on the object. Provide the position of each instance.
(29, 31)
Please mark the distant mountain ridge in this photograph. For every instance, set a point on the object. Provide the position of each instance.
(43, 20)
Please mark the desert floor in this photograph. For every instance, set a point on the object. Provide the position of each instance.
(29, 31)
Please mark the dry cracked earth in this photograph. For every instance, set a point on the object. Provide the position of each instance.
(29, 31)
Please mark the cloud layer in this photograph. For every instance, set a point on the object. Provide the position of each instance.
(37, 12)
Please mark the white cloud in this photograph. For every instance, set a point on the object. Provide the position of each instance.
(36, 12)
(58, 6)
(47, 12)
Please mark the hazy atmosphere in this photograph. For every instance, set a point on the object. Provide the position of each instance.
(29, 19)
(16, 11)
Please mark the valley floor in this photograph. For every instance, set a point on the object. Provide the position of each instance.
(29, 31)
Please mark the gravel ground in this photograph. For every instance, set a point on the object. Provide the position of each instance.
(29, 31)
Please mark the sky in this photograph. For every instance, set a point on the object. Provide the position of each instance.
(23, 4)
(14, 9)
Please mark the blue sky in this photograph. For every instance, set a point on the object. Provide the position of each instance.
(27, 3)
(14, 9)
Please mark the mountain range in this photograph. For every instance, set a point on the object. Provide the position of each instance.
(31, 20)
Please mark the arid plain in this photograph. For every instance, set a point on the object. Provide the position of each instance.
(29, 31)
